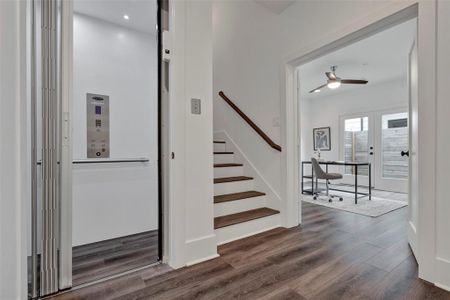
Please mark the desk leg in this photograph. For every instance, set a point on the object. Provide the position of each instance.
(356, 184)
(312, 180)
(370, 182)
(303, 174)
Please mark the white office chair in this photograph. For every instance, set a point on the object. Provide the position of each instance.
(321, 174)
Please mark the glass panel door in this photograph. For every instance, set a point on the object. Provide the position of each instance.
(356, 143)
(392, 168)
(356, 146)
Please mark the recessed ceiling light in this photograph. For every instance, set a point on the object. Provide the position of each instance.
(126, 17)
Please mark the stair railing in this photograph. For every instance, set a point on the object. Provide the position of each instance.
(252, 124)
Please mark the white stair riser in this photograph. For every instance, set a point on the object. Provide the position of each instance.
(241, 230)
(232, 207)
(223, 158)
(220, 147)
(233, 187)
(228, 172)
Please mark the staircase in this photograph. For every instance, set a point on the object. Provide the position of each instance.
(239, 209)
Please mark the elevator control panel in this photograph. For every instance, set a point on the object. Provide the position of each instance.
(97, 125)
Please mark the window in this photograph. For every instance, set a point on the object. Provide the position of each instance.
(356, 143)
(394, 139)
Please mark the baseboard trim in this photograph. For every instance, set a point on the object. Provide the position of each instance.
(249, 234)
(200, 249)
(442, 286)
(197, 261)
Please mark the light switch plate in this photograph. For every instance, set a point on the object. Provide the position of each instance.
(196, 106)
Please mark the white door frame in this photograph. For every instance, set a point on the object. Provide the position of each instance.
(385, 17)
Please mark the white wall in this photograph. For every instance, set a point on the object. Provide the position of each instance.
(247, 47)
(111, 200)
(326, 111)
(13, 154)
(251, 47)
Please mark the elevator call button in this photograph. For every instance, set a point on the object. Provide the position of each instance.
(97, 126)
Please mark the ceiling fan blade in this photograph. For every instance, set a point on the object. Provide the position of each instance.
(353, 81)
(331, 75)
(318, 88)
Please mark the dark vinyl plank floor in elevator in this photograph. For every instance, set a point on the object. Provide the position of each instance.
(98, 260)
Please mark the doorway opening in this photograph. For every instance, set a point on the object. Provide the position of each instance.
(115, 136)
(359, 123)
(96, 170)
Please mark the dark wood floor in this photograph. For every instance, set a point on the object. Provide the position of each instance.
(105, 258)
(334, 255)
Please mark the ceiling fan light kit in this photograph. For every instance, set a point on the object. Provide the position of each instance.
(334, 82)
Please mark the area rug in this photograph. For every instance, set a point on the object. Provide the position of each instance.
(372, 208)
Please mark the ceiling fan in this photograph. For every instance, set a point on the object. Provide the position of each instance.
(333, 82)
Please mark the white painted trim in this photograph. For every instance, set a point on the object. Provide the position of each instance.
(65, 257)
(197, 261)
(442, 286)
(176, 206)
(443, 260)
(247, 235)
(201, 247)
(200, 238)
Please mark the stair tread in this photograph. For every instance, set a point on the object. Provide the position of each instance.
(237, 196)
(227, 165)
(244, 216)
(223, 152)
(231, 179)
(219, 142)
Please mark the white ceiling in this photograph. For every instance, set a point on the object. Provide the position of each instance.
(381, 57)
(142, 13)
(275, 6)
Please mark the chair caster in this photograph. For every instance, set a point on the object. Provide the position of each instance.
(341, 199)
(315, 197)
(329, 200)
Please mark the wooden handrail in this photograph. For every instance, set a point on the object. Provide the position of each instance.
(250, 122)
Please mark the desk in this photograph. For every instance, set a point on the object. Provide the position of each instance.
(339, 163)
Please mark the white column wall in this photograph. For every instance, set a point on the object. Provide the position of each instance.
(191, 213)
(13, 153)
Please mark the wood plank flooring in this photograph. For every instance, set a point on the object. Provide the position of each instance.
(244, 216)
(237, 196)
(333, 255)
(227, 165)
(105, 258)
(231, 179)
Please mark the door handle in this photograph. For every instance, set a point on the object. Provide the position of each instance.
(405, 153)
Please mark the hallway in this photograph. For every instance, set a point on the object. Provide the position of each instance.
(335, 255)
